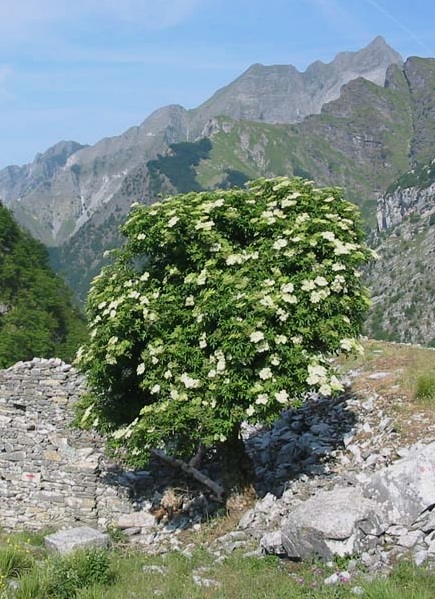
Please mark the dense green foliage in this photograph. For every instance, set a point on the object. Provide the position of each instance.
(37, 317)
(178, 165)
(221, 306)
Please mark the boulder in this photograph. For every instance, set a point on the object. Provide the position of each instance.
(405, 489)
(331, 523)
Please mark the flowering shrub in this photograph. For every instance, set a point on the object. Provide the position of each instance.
(222, 306)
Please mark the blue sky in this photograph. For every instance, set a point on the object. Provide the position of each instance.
(87, 69)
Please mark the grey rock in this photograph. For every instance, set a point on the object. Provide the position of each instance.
(272, 543)
(205, 582)
(69, 540)
(152, 568)
(307, 532)
(406, 488)
(143, 520)
(409, 539)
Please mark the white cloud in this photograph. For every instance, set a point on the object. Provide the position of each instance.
(27, 18)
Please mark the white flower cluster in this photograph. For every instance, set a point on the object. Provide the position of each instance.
(318, 376)
(204, 225)
(125, 432)
(348, 344)
(189, 382)
(256, 336)
(234, 259)
(209, 206)
(173, 221)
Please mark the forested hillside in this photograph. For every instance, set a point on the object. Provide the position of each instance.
(37, 317)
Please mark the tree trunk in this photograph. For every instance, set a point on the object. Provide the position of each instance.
(237, 472)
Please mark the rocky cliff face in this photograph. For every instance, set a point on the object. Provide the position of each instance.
(402, 282)
(412, 196)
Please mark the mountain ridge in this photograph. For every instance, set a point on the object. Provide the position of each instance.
(57, 206)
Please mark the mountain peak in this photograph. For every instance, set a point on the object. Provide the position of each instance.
(379, 42)
(282, 94)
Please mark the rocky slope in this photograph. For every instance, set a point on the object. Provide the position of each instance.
(402, 282)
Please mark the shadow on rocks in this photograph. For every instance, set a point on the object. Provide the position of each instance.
(299, 444)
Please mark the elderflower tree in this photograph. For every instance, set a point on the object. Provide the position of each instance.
(222, 306)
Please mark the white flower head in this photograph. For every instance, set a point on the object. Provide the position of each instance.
(221, 365)
(318, 296)
(335, 384)
(320, 281)
(328, 235)
(282, 396)
(256, 336)
(204, 225)
(202, 277)
(189, 382)
(141, 368)
(262, 399)
(281, 339)
(173, 221)
(337, 266)
(262, 347)
(282, 315)
(280, 243)
(234, 259)
(325, 389)
(250, 411)
(316, 374)
(289, 299)
(287, 288)
(308, 285)
(265, 373)
(267, 301)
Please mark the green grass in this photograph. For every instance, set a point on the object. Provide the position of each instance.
(121, 573)
(425, 388)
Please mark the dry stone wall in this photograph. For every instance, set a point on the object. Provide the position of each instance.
(50, 473)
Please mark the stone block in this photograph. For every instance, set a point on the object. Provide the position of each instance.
(136, 520)
(66, 541)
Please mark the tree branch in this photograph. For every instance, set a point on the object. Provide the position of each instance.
(217, 489)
